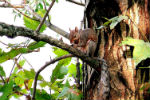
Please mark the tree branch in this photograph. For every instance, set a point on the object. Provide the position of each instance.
(50, 25)
(13, 6)
(42, 68)
(13, 31)
(44, 18)
(75, 2)
(6, 5)
(39, 18)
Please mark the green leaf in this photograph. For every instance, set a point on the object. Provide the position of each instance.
(64, 92)
(35, 45)
(20, 78)
(31, 74)
(44, 84)
(30, 83)
(57, 86)
(59, 72)
(11, 54)
(32, 24)
(41, 95)
(6, 90)
(116, 20)
(141, 49)
(72, 70)
(67, 84)
(22, 62)
(4, 56)
(113, 21)
(74, 96)
(2, 72)
(41, 6)
(59, 52)
(71, 94)
(41, 12)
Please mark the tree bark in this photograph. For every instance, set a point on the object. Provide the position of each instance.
(124, 83)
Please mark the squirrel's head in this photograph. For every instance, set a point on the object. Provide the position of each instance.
(73, 36)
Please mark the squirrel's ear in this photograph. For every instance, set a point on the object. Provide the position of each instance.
(76, 29)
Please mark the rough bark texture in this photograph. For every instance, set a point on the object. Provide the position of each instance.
(124, 84)
(14, 31)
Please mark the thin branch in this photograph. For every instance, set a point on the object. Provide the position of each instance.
(43, 67)
(75, 2)
(28, 62)
(50, 25)
(4, 43)
(13, 31)
(9, 4)
(39, 18)
(12, 69)
(46, 10)
(44, 18)
(6, 5)
(2, 79)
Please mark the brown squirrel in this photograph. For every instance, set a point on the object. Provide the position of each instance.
(84, 40)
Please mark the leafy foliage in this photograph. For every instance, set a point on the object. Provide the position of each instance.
(70, 93)
(6, 90)
(33, 24)
(42, 95)
(141, 48)
(113, 21)
(2, 72)
(19, 82)
(60, 70)
(4, 56)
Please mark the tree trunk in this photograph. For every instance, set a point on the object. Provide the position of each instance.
(124, 83)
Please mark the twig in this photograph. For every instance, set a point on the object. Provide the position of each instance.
(50, 25)
(12, 69)
(43, 20)
(75, 2)
(46, 10)
(19, 10)
(42, 68)
(5, 5)
(2, 79)
(27, 62)
(4, 43)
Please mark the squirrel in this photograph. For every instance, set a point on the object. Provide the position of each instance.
(84, 40)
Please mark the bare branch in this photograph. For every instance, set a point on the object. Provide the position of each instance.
(28, 62)
(43, 67)
(75, 2)
(13, 68)
(13, 31)
(44, 18)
